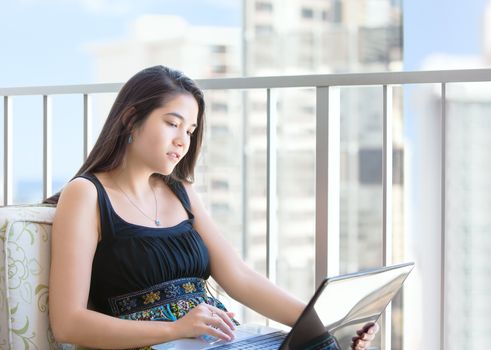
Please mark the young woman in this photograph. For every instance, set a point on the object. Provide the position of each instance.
(132, 244)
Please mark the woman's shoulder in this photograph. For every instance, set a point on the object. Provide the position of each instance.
(182, 188)
(194, 198)
(182, 185)
(78, 206)
(80, 189)
(77, 210)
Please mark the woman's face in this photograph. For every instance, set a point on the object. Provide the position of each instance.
(165, 136)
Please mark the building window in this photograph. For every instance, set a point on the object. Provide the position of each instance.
(307, 38)
(307, 13)
(219, 68)
(219, 185)
(264, 30)
(310, 110)
(370, 166)
(218, 49)
(219, 107)
(324, 15)
(262, 6)
(219, 130)
(398, 166)
(336, 12)
(220, 209)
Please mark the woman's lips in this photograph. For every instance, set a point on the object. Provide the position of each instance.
(173, 155)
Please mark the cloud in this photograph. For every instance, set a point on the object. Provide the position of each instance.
(100, 7)
(115, 7)
(125, 7)
(226, 4)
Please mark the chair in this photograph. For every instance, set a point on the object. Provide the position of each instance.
(25, 233)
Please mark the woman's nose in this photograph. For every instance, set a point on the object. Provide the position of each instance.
(179, 140)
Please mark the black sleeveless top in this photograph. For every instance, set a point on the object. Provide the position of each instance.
(130, 257)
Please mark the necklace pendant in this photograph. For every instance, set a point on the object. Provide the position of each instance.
(157, 222)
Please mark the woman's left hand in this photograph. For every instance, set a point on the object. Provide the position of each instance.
(364, 336)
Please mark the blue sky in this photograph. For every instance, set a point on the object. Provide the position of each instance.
(441, 26)
(43, 40)
(43, 43)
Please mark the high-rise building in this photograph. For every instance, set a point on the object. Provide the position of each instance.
(468, 223)
(467, 287)
(319, 37)
(304, 36)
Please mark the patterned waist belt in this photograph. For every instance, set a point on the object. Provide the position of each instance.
(159, 294)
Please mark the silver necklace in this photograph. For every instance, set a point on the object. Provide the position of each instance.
(156, 220)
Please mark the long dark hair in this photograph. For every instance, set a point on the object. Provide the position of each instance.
(146, 91)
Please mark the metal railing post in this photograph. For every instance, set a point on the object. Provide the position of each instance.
(327, 183)
(272, 193)
(7, 149)
(387, 149)
(321, 182)
(442, 203)
(87, 125)
(47, 148)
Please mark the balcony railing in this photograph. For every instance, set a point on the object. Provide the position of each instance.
(327, 160)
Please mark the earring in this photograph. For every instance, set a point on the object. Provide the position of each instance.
(130, 139)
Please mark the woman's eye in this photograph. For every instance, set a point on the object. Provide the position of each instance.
(174, 125)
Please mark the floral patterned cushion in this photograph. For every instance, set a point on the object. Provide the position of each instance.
(25, 233)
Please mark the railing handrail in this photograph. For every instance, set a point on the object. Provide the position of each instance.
(284, 81)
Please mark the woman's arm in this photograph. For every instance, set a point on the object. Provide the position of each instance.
(236, 277)
(246, 285)
(74, 240)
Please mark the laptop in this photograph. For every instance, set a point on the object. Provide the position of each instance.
(340, 306)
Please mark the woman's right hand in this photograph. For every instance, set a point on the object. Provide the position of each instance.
(205, 319)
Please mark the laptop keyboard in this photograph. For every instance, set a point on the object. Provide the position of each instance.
(271, 341)
(326, 343)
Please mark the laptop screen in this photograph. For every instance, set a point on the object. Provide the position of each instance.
(344, 304)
